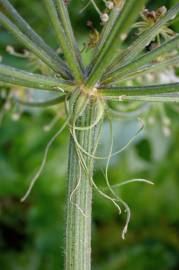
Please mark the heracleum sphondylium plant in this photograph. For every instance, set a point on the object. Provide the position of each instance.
(88, 91)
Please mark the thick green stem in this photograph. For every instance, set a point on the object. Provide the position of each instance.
(79, 199)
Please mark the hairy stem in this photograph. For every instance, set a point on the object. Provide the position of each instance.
(79, 198)
(115, 91)
(21, 77)
(62, 38)
(66, 22)
(150, 68)
(33, 47)
(142, 60)
(110, 49)
(144, 39)
(26, 29)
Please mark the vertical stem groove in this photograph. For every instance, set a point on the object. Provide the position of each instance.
(78, 229)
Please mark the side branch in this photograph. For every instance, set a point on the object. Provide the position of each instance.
(147, 69)
(29, 44)
(147, 98)
(106, 32)
(118, 92)
(65, 19)
(68, 52)
(20, 77)
(27, 29)
(144, 59)
(111, 46)
(145, 38)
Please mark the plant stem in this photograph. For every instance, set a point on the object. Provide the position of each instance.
(153, 98)
(27, 30)
(33, 47)
(145, 38)
(66, 22)
(142, 60)
(78, 216)
(110, 50)
(21, 77)
(112, 91)
(150, 68)
(62, 38)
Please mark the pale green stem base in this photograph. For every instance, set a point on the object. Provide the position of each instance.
(78, 219)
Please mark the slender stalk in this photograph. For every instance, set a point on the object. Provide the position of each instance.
(23, 78)
(27, 29)
(145, 38)
(142, 60)
(119, 92)
(79, 198)
(60, 34)
(29, 44)
(153, 98)
(105, 33)
(148, 68)
(66, 22)
(112, 45)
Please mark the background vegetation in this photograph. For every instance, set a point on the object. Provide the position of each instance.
(32, 233)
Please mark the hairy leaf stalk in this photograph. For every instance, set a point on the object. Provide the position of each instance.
(79, 198)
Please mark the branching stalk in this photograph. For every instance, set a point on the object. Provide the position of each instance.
(28, 43)
(65, 19)
(27, 30)
(112, 44)
(147, 98)
(145, 38)
(119, 92)
(105, 33)
(69, 53)
(142, 60)
(23, 78)
(149, 68)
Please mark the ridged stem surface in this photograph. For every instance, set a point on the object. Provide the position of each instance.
(79, 198)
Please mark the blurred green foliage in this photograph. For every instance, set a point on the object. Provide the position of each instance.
(32, 233)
